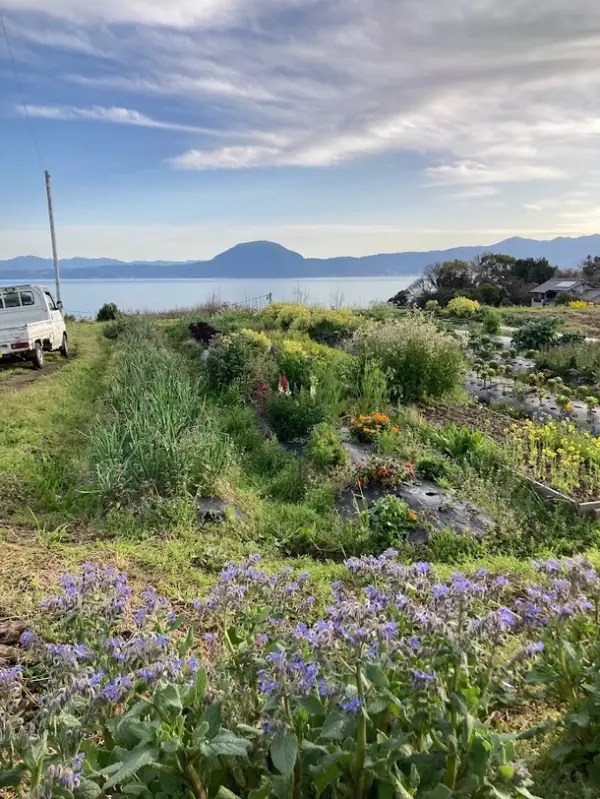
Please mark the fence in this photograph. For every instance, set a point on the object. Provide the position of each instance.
(255, 303)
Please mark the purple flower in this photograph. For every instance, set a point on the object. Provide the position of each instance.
(10, 676)
(440, 591)
(388, 630)
(325, 690)
(28, 639)
(117, 689)
(506, 618)
(352, 705)
(422, 679)
(193, 664)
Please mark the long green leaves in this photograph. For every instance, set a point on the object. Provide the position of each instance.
(159, 435)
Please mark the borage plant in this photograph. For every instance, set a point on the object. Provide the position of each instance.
(391, 693)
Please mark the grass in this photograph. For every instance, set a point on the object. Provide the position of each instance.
(42, 426)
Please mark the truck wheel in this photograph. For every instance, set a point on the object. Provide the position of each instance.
(64, 348)
(37, 356)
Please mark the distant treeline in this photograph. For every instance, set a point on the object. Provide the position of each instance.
(492, 279)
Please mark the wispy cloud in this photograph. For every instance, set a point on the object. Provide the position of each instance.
(321, 82)
(476, 191)
(119, 116)
(476, 172)
(532, 207)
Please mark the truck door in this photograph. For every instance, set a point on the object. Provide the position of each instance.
(56, 318)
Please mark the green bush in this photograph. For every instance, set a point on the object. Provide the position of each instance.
(293, 417)
(418, 360)
(328, 327)
(107, 313)
(575, 363)
(572, 337)
(431, 468)
(461, 444)
(538, 334)
(462, 307)
(490, 321)
(234, 359)
(124, 324)
(390, 520)
(367, 386)
(288, 484)
(324, 449)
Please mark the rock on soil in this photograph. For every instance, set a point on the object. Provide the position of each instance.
(213, 510)
(203, 332)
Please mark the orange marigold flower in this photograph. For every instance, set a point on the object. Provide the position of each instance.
(412, 516)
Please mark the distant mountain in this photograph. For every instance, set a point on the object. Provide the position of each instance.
(266, 259)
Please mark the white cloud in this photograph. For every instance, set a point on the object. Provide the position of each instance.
(323, 82)
(226, 158)
(165, 13)
(476, 191)
(532, 207)
(119, 116)
(476, 172)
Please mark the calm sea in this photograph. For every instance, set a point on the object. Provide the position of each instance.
(84, 297)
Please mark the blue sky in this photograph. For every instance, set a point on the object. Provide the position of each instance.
(336, 127)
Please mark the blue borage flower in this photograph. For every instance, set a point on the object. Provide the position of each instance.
(405, 619)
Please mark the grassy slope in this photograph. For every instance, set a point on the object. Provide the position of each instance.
(45, 426)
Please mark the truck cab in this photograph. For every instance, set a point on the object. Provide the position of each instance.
(31, 323)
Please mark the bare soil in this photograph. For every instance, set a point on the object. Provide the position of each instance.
(475, 417)
(20, 381)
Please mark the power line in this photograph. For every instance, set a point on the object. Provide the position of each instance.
(20, 89)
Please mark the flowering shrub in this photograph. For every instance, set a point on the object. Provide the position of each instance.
(366, 427)
(579, 305)
(557, 453)
(328, 326)
(232, 359)
(384, 471)
(394, 691)
(292, 415)
(462, 306)
(257, 338)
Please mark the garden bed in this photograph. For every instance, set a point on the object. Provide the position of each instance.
(475, 417)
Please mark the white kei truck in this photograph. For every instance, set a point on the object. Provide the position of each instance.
(31, 323)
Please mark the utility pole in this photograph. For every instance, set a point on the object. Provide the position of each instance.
(53, 236)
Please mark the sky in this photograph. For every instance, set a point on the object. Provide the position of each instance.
(174, 129)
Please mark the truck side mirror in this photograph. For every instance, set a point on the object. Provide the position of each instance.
(59, 305)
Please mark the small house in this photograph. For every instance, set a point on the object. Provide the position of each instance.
(546, 293)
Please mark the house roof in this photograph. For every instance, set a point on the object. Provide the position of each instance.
(591, 294)
(559, 284)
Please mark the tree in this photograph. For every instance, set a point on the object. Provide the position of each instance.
(107, 313)
(533, 270)
(442, 281)
(492, 268)
(590, 269)
(400, 300)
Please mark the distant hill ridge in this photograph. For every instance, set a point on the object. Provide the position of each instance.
(267, 259)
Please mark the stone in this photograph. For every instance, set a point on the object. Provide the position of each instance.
(214, 510)
(203, 332)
